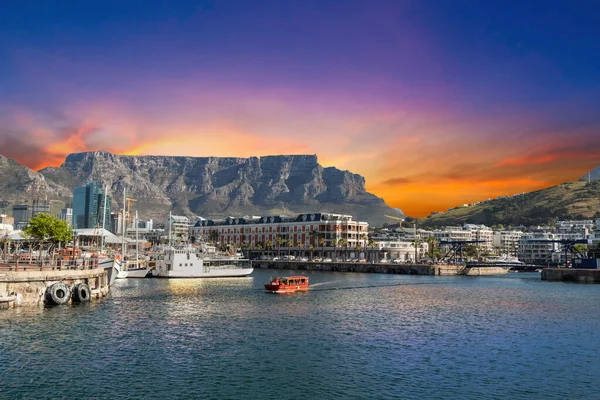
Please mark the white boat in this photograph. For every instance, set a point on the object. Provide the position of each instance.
(186, 263)
(133, 270)
(111, 266)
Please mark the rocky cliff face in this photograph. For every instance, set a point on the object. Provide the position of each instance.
(216, 186)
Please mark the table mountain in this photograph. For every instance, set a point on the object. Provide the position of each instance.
(207, 186)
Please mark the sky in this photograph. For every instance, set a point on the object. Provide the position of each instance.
(437, 103)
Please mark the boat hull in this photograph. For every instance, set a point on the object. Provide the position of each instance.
(112, 267)
(222, 273)
(137, 272)
(285, 288)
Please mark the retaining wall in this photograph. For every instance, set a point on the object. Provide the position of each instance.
(28, 288)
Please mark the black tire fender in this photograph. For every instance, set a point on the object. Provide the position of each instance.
(81, 293)
(58, 293)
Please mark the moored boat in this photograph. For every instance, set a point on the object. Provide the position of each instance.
(288, 284)
(188, 263)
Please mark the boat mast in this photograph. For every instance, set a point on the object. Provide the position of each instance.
(103, 222)
(170, 227)
(136, 239)
(123, 237)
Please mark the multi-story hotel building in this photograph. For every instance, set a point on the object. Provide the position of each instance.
(482, 234)
(540, 248)
(507, 242)
(317, 229)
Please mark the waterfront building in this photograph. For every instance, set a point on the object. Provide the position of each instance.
(452, 234)
(390, 248)
(540, 248)
(21, 214)
(326, 231)
(5, 229)
(178, 228)
(482, 234)
(574, 230)
(507, 242)
(6, 220)
(145, 229)
(66, 215)
(88, 207)
(40, 207)
(595, 236)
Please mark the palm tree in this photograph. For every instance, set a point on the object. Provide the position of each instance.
(313, 234)
(300, 246)
(372, 245)
(269, 246)
(416, 243)
(344, 244)
(259, 247)
(432, 247)
(312, 248)
(279, 241)
(365, 238)
(322, 243)
(289, 243)
(335, 243)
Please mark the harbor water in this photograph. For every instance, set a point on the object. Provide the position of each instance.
(367, 336)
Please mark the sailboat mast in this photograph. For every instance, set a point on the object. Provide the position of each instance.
(123, 237)
(103, 222)
(137, 243)
(170, 227)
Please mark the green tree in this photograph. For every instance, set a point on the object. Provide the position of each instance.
(47, 228)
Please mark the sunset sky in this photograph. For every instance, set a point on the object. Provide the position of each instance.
(436, 103)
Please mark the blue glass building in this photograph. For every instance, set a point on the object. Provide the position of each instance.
(88, 207)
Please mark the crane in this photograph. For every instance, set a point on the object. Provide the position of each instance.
(129, 200)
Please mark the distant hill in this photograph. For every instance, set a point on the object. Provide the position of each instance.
(206, 186)
(571, 200)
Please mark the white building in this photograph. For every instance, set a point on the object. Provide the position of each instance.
(507, 242)
(574, 230)
(452, 234)
(67, 215)
(178, 228)
(391, 249)
(539, 248)
(482, 234)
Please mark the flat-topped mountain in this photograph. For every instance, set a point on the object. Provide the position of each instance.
(207, 186)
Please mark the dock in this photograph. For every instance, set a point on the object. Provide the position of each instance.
(30, 287)
(578, 275)
(380, 268)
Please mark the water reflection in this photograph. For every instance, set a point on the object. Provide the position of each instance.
(350, 336)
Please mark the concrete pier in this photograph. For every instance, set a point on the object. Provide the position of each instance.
(571, 275)
(28, 288)
(403, 269)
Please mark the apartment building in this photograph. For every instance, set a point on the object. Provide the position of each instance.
(540, 248)
(507, 242)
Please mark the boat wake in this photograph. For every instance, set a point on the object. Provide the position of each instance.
(321, 289)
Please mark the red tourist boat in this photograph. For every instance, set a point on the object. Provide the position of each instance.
(288, 284)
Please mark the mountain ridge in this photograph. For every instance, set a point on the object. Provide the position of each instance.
(206, 186)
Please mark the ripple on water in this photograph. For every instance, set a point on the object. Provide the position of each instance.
(351, 336)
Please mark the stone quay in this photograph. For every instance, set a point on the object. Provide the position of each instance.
(381, 268)
(571, 275)
(31, 287)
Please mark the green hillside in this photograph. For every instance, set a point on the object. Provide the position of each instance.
(572, 200)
